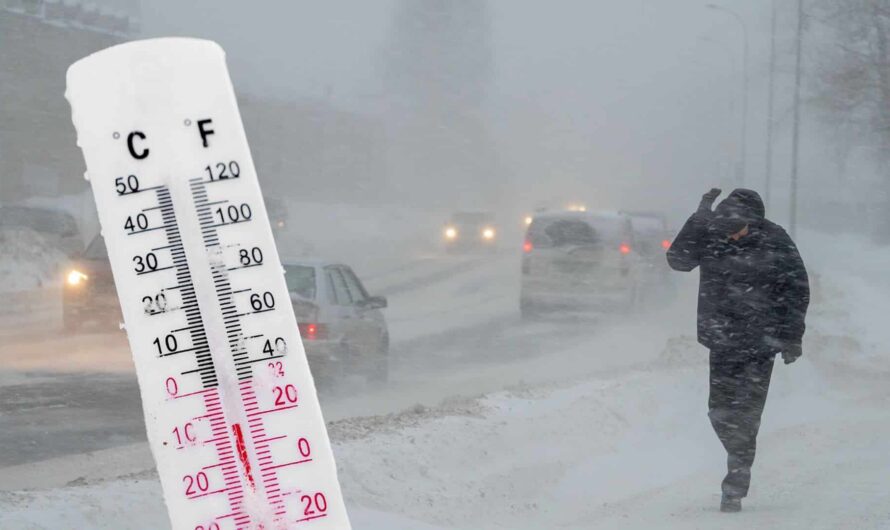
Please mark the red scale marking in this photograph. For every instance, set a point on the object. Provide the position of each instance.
(305, 519)
(233, 486)
(242, 452)
(262, 445)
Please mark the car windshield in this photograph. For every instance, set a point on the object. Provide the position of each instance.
(300, 280)
(564, 232)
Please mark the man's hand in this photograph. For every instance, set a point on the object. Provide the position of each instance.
(791, 353)
(707, 200)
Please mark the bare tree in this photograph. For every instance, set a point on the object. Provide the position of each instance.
(853, 82)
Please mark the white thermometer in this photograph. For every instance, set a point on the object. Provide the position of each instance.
(231, 411)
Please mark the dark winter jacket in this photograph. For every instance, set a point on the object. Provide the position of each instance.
(754, 292)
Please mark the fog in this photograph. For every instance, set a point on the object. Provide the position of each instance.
(483, 210)
(613, 103)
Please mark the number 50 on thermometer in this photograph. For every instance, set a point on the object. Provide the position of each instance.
(230, 406)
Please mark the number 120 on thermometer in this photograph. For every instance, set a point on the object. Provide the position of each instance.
(230, 406)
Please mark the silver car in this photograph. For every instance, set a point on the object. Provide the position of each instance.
(579, 262)
(342, 326)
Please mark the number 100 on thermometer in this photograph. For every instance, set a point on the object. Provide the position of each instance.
(230, 406)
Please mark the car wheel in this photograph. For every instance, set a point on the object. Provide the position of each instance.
(528, 311)
(378, 371)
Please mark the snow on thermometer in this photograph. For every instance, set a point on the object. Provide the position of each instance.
(230, 405)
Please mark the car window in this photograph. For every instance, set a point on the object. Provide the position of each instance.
(356, 289)
(570, 233)
(300, 279)
(339, 290)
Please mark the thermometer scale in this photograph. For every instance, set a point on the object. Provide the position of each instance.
(231, 410)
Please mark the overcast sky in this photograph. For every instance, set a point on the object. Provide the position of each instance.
(638, 86)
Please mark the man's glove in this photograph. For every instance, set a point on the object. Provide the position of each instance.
(791, 353)
(707, 200)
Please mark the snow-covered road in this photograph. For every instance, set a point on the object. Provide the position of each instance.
(629, 450)
(496, 427)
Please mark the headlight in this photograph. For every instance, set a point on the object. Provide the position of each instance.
(488, 234)
(528, 220)
(75, 277)
(577, 208)
(451, 233)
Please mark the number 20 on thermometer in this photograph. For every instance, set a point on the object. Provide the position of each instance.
(230, 406)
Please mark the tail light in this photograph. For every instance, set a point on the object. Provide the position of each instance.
(527, 246)
(313, 331)
(624, 248)
(666, 244)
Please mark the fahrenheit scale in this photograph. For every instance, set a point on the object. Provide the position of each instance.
(230, 405)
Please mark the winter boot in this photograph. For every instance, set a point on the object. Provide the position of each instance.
(730, 504)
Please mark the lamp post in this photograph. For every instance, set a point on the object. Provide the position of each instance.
(744, 140)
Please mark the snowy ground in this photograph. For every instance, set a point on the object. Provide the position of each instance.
(598, 429)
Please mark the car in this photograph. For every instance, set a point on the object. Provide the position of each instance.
(343, 328)
(469, 231)
(88, 293)
(57, 226)
(579, 262)
(652, 237)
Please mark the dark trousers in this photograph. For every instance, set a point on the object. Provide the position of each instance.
(739, 385)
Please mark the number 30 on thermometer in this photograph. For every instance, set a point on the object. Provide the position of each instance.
(230, 406)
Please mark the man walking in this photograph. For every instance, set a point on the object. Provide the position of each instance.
(752, 300)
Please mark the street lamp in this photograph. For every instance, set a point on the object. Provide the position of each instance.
(744, 140)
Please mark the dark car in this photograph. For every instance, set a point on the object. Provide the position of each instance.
(579, 262)
(89, 296)
(469, 231)
(58, 227)
(342, 326)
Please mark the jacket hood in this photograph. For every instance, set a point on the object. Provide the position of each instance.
(742, 207)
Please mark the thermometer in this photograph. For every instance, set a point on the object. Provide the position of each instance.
(231, 411)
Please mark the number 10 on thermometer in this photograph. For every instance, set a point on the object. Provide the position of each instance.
(230, 406)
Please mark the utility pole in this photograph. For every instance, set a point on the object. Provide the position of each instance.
(795, 138)
(770, 123)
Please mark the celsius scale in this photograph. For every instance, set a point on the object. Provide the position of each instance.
(231, 410)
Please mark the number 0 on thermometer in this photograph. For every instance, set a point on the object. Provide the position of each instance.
(230, 405)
